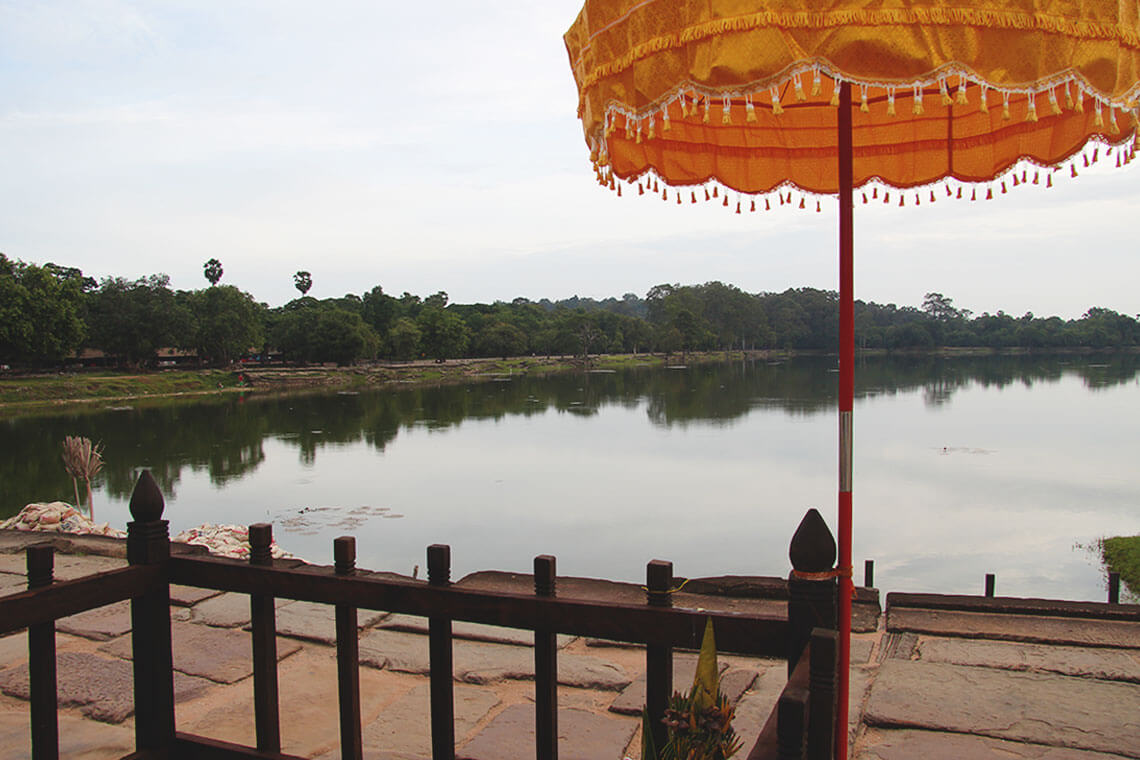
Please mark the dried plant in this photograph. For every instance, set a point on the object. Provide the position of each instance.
(83, 461)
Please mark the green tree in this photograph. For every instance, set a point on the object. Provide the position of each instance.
(502, 340)
(212, 269)
(227, 323)
(444, 335)
(302, 281)
(39, 312)
(404, 339)
(132, 319)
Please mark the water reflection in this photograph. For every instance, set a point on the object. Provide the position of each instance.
(963, 466)
(224, 436)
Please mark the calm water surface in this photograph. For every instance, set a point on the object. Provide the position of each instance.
(1009, 465)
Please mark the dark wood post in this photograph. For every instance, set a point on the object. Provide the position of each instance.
(868, 573)
(41, 661)
(439, 656)
(1114, 588)
(811, 585)
(148, 543)
(791, 720)
(991, 582)
(545, 669)
(347, 656)
(822, 731)
(658, 657)
(263, 624)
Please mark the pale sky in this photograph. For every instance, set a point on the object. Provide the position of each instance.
(434, 146)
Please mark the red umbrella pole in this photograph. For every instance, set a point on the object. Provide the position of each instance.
(846, 402)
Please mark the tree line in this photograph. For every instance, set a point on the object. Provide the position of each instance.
(49, 312)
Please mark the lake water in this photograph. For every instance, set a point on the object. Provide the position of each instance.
(1011, 465)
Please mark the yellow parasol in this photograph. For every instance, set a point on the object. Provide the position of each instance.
(764, 100)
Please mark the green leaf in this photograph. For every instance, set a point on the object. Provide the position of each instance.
(706, 680)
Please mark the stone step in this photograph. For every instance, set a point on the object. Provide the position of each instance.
(1015, 627)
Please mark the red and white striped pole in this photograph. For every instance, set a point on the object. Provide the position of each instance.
(846, 403)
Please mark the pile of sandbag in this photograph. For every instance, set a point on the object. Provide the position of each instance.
(58, 517)
(225, 540)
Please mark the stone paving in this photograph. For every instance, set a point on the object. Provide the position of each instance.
(925, 683)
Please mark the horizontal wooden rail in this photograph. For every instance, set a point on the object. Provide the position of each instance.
(1015, 605)
(63, 598)
(676, 627)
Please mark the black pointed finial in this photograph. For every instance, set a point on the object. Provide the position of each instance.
(813, 547)
(147, 503)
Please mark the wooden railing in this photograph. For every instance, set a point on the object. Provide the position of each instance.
(801, 723)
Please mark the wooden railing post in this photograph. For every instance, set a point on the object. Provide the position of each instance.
(439, 657)
(545, 669)
(148, 543)
(41, 662)
(1114, 588)
(812, 584)
(263, 625)
(991, 583)
(658, 657)
(347, 656)
(822, 731)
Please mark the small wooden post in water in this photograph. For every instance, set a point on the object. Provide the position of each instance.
(658, 657)
(148, 543)
(263, 622)
(347, 656)
(812, 584)
(545, 669)
(1114, 588)
(868, 573)
(41, 661)
(991, 582)
(439, 658)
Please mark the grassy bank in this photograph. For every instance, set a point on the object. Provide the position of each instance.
(31, 392)
(1122, 555)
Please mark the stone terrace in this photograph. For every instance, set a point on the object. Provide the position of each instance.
(925, 683)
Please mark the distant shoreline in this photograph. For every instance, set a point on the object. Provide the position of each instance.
(39, 391)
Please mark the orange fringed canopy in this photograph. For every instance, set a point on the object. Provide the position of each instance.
(743, 92)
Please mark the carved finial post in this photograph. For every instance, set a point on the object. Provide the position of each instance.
(41, 661)
(440, 661)
(148, 543)
(812, 585)
(148, 536)
(658, 657)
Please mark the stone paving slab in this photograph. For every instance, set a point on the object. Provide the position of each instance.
(481, 663)
(581, 736)
(12, 584)
(308, 707)
(228, 610)
(66, 567)
(403, 731)
(188, 596)
(13, 649)
(1053, 710)
(632, 698)
(222, 655)
(1010, 627)
(473, 631)
(934, 745)
(100, 624)
(317, 622)
(78, 739)
(102, 688)
(1104, 664)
